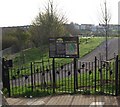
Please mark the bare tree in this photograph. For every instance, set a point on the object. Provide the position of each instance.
(104, 21)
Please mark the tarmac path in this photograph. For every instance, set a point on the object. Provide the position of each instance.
(113, 48)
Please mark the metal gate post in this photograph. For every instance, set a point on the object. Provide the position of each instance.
(95, 71)
(119, 75)
(53, 67)
(5, 76)
(31, 77)
(75, 76)
(116, 76)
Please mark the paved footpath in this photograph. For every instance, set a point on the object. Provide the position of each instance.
(68, 100)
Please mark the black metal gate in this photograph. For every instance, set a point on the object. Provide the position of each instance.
(39, 78)
(99, 77)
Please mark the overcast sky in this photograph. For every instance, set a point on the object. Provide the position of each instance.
(23, 12)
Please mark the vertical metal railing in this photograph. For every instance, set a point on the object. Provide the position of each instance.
(54, 82)
(6, 76)
(116, 76)
(51, 77)
(31, 76)
(95, 71)
(119, 73)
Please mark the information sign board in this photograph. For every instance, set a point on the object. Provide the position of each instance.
(64, 47)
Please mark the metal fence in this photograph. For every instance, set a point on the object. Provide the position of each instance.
(40, 78)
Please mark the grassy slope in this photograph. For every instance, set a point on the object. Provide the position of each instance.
(35, 54)
(86, 48)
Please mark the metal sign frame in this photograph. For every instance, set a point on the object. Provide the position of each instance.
(64, 47)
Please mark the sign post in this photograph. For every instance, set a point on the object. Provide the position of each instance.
(64, 47)
(54, 83)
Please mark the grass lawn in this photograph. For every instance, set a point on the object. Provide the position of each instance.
(24, 58)
(91, 44)
(34, 54)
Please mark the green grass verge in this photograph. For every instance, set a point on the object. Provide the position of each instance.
(22, 61)
(37, 54)
(90, 45)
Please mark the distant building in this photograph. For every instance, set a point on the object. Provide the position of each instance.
(76, 26)
(83, 26)
(26, 27)
(113, 27)
(93, 28)
(9, 28)
(87, 27)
